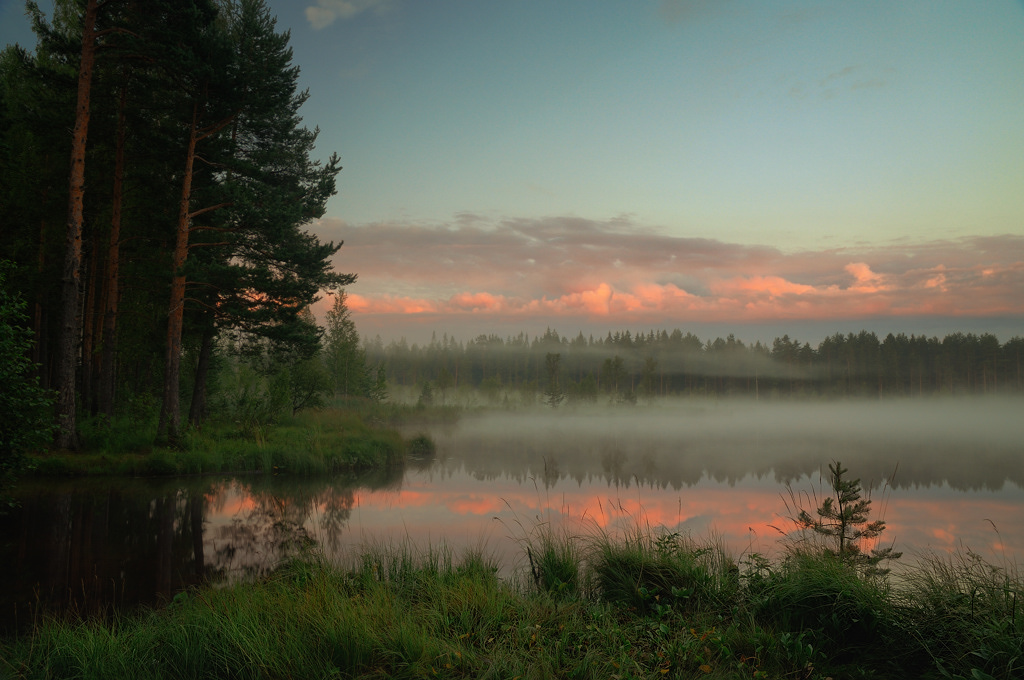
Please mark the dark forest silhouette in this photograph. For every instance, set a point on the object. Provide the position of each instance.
(624, 366)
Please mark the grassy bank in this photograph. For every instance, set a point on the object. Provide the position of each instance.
(311, 442)
(644, 605)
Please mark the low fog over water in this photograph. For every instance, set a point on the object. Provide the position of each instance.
(967, 444)
(945, 474)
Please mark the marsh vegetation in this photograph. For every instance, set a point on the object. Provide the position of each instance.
(643, 603)
(628, 550)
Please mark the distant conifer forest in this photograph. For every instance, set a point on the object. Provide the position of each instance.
(625, 367)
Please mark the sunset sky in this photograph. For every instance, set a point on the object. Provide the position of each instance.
(713, 165)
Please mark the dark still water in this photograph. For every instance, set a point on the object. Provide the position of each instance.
(943, 474)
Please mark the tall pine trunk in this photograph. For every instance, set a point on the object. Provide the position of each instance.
(112, 280)
(170, 412)
(89, 329)
(67, 435)
(41, 347)
(197, 409)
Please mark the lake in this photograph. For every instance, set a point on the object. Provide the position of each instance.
(944, 474)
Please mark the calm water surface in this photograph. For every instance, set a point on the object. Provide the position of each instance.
(943, 474)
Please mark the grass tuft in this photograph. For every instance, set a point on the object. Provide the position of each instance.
(648, 570)
(967, 615)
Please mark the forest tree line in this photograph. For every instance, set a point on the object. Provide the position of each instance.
(623, 366)
(155, 185)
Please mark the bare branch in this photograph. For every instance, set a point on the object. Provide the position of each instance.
(207, 209)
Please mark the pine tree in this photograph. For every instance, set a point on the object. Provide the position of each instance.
(345, 359)
(843, 518)
(254, 268)
(67, 433)
(553, 393)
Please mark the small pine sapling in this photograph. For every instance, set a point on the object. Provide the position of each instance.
(843, 518)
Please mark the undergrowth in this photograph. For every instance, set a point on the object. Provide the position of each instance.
(642, 602)
(312, 442)
(647, 604)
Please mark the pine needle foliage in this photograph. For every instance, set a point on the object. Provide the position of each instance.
(843, 518)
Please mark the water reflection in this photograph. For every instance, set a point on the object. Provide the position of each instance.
(87, 545)
(90, 545)
(94, 544)
(969, 445)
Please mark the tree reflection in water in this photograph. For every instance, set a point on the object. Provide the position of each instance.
(265, 520)
(91, 546)
(698, 467)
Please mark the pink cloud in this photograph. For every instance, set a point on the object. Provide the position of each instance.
(566, 268)
(763, 286)
(479, 302)
(596, 302)
(867, 281)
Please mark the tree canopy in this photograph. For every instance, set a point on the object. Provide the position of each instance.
(26, 422)
(184, 224)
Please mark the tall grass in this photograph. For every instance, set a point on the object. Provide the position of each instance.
(828, 603)
(640, 602)
(395, 614)
(645, 604)
(648, 569)
(966, 613)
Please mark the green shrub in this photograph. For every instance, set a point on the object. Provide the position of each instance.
(160, 462)
(818, 593)
(26, 423)
(647, 570)
(422, 446)
(841, 520)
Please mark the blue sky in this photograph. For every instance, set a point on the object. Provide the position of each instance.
(885, 139)
(791, 123)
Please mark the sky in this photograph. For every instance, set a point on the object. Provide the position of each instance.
(793, 166)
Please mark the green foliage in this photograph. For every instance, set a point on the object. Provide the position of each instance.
(967, 616)
(555, 562)
(379, 388)
(251, 399)
(663, 362)
(120, 434)
(843, 519)
(652, 571)
(308, 384)
(422, 446)
(312, 442)
(426, 397)
(491, 387)
(613, 374)
(648, 604)
(587, 391)
(164, 69)
(27, 421)
(553, 393)
(815, 591)
(443, 383)
(648, 376)
(346, 362)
